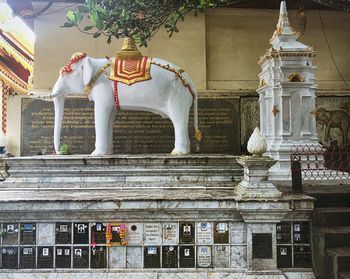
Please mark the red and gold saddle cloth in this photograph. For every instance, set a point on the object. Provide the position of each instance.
(130, 71)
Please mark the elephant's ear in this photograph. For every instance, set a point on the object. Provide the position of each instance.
(88, 70)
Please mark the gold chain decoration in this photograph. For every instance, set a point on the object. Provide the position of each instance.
(90, 85)
(6, 91)
(178, 74)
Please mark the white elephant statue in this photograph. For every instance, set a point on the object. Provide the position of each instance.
(170, 93)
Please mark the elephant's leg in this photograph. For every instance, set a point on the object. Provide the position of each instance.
(110, 133)
(102, 121)
(182, 141)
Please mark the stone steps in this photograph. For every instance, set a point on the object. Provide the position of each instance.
(206, 169)
(337, 261)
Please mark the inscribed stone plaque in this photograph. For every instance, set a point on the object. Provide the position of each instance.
(133, 257)
(187, 232)
(46, 233)
(284, 256)
(11, 234)
(117, 257)
(45, 257)
(98, 233)
(238, 256)
(203, 256)
(238, 232)
(187, 256)
(204, 233)
(170, 234)
(98, 257)
(81, 257)
(283, 233)
(169, 257)
(81, 233)
(221, 232)
(153, 233)
(221, 256)
(28, 233)
(134, 233)
(301, 232)
(151, 257)
(63, 233)
(302, 256)
(262, 246)
(118, 233)
(63, 257)
(9, 257)
(27, 257)
(134, 131)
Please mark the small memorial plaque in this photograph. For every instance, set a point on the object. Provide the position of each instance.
(81, 233)
(283, 233)
(170, 234)
(221, 232)
(169, 257)
(151, 257)
(204, 233)
(28, 233)
(63, 257)
(63, 233)
(187, 256)
(46, 234)
(187, 232)
(262, 246)
(153, 233)
(98, 233)
(9, 258)
(80, 257)
(221, 256)
(45, 257)
(203, 256)
(284, 256)
(98, 257)
(11, 234)
(116, 234)
(302, 256)
(27, 257)
(134, 233)
(301, 232)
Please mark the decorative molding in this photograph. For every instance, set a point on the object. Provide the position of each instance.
(296, 77)
(275, 110)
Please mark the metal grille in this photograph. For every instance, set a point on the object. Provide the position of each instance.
(317, 162)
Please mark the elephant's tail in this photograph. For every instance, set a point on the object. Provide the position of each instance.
(197, 132)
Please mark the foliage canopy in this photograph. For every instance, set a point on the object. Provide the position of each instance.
(138, 19)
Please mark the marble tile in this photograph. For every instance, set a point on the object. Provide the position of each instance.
(238, 231)
(152, 233)
(116, 257)
(46, 234)
(221, 256)
(134, 234)
(238, 256)
(134, 257)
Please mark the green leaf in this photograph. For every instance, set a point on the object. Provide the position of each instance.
(87, 28)
(83, 9)
(68, 24)
(71, 16)
(96, 35)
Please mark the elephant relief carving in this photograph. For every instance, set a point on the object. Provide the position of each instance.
(168, 91)
(334, 119)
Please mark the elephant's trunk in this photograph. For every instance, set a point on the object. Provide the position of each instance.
(59, 109)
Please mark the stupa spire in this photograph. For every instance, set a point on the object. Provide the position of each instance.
(285, 37)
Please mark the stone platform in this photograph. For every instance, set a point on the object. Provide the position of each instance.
(179, 216)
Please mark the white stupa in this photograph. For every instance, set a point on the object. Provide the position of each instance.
(286, 95)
